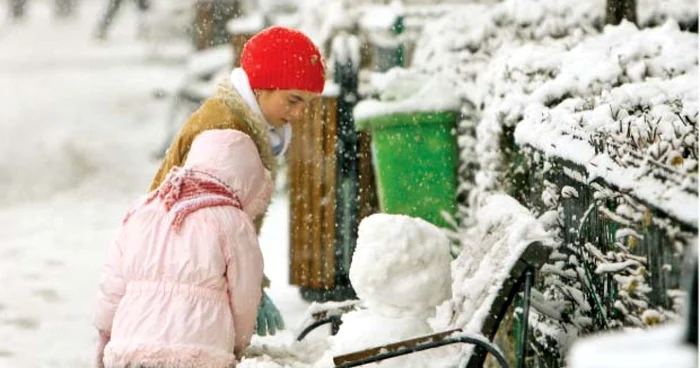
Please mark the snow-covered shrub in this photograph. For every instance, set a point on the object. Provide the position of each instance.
(462, 45)
(629, 123)
(466, 43)
(542, 80)
(633, 115)
(621, 262)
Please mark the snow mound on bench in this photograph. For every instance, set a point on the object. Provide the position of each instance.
(401, 266)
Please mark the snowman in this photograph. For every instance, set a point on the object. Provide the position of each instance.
(401, 273)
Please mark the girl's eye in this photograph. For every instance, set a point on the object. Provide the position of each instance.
(293, 101)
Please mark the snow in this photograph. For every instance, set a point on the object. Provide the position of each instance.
(210, 60)
(331, 89)
(80, 124)
(346, 49)
(569, 192)
(322, 19)
(615, 267)
(380, 17)
(656, 347)
(247, 24)
(656, 12)
(625, 232)
(405, 92)
(519, 53)
(366, 329)
(400, 271)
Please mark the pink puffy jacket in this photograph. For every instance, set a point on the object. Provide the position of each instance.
(185, 293)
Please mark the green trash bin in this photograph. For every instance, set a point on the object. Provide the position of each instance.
(415, 163)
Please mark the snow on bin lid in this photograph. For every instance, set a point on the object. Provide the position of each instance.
(405, 91)
(252, 23)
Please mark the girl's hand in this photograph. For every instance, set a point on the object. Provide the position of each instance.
(269, 317)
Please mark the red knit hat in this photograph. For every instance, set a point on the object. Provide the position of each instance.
(283, 58)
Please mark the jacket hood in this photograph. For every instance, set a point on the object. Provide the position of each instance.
(232, 157)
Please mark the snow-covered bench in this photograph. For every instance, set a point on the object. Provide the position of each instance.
(500, 256)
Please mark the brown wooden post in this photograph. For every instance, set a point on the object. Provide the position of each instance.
(329, 187)
(203, 24)
(368, 202)
(304, 225)
(294, 175)
(316, 180)
(312, 174)
(238, 41)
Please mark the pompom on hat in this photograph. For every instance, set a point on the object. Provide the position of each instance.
(283, 58)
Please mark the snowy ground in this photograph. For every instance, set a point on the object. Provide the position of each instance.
(79, 125)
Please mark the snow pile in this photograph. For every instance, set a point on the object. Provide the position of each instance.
(365, 329)
(345, 49)
(490, 250)
(282, 351)
(401, 265)
(658, 347)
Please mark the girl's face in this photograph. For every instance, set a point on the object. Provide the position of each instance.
(284, 106)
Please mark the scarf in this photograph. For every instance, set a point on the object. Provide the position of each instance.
(279, 137)
(187, 190)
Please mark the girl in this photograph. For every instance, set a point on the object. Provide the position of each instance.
(281, 73)
(181, 285)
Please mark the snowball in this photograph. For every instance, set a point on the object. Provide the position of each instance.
(401, 265)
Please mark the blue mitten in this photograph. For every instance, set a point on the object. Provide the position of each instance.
(269, 317)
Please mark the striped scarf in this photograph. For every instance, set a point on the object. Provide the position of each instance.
(187, 190)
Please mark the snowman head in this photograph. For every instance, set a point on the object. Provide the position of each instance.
(401, 265)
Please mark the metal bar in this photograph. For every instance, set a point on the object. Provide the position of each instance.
(468, 339)
(333, 320)
(529, 281)
(335, 326)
